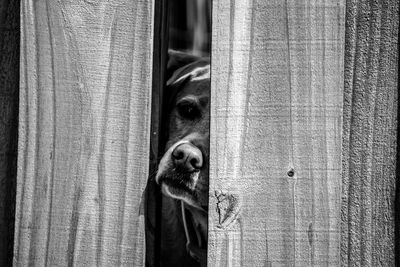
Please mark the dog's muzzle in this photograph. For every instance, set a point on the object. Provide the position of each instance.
(179, 172)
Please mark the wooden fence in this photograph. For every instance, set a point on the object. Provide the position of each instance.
(276, 124)
(303, 132)
(370, 127)
(83, 137)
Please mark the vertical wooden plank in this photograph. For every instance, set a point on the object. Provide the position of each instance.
(369, 134)
(9, 85)
(84, 132)
(276, 122)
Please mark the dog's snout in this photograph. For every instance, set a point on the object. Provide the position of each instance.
(188, 157)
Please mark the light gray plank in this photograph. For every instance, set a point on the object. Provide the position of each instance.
(277, 90)
(84, 132)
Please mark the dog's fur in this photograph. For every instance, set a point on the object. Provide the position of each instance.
(185, 184)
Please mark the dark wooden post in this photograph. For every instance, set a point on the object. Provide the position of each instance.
(370, 134)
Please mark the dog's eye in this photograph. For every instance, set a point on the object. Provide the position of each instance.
(188, 111)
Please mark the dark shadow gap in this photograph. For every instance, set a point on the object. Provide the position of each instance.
(9, 106)
(152, 194)
(181, 52)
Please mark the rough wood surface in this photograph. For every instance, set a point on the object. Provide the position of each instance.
(84, 132)
(369, 133)
(276, 124)
(9, 85)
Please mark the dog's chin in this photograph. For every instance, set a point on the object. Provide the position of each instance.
(179, 194)
(181, 190)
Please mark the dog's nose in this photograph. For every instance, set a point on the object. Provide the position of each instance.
(188, 157)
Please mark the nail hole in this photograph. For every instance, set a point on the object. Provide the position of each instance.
(290, 173)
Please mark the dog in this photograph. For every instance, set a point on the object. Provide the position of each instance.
(183, 171)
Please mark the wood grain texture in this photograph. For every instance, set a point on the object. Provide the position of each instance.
(369, 133)
(84, 132)
(277, 90)
(9, 85)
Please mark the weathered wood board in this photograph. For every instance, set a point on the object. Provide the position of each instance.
(84, 132)
(370, 134)
(276, 132)
(9, 89)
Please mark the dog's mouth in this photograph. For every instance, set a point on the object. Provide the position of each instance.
(181, 185)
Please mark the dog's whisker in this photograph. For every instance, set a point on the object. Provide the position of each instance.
(153, 173)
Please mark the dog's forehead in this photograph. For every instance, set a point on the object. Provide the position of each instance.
(198, 89)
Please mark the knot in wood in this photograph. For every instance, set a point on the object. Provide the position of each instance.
(228, 208)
